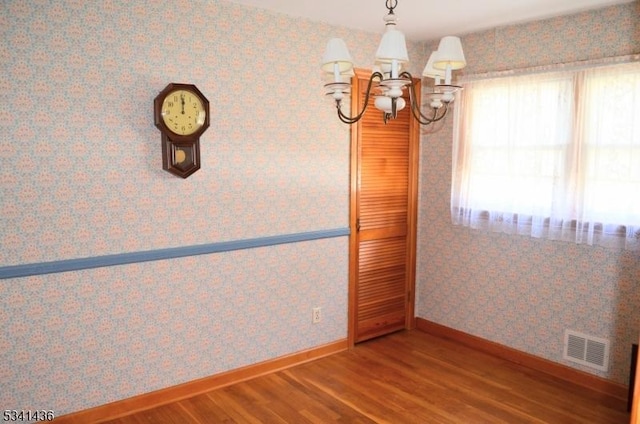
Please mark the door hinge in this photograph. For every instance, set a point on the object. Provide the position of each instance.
(358, 225)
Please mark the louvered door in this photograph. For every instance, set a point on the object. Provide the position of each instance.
(384, 158)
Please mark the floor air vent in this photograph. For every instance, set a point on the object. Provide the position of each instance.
(586, 350)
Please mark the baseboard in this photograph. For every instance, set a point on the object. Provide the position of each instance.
(193, 388)
(528, 360)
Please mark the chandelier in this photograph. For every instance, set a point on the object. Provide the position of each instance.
(390, 79)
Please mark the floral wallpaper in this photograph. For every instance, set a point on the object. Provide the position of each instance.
(84, 75)
(513, 290)
(81, 339)
(82, 177)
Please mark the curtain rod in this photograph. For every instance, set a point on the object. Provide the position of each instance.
(569, 66)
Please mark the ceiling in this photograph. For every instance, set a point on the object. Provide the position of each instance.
(422, 20)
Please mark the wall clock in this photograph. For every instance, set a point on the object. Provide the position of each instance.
(181, 113)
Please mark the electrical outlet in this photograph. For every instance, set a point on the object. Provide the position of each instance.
(317, 315)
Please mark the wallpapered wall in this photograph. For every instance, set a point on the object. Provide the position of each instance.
(514, 290)
(82, 176)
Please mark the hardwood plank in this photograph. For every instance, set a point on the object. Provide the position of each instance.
(172, 413)
(405, 377)
(512, 355)
(189, 389)
(204, 409)
(275, 398)
(430, 389)
(508, 391)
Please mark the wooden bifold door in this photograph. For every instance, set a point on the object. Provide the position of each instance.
(384, 166)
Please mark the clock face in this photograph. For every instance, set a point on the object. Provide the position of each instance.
(183, 112)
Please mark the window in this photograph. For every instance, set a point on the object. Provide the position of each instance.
(553, 155)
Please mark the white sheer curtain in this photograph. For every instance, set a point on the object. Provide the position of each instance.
(554, 155)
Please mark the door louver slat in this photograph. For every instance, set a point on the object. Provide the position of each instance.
(383, 211)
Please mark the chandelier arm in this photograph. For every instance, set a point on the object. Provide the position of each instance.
(344, 118)
(349, 120)
(435, 117)
(415, 108)
(415, 105)
(444, 113)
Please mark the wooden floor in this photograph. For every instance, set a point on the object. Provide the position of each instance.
(407, 377)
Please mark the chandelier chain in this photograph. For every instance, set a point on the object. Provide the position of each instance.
(391, 4)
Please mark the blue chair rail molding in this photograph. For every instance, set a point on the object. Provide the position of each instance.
(66, 265)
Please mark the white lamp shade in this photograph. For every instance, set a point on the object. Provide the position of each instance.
(429, 70)
(337, 53)
(346, 76)
(450, 53)
(392, 47)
